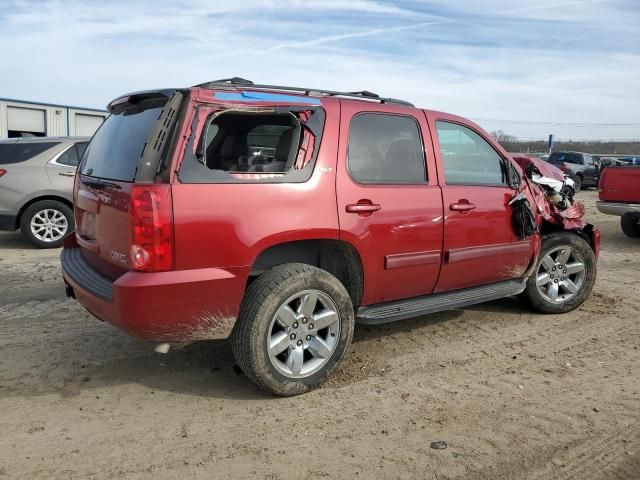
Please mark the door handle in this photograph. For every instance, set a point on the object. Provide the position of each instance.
(462, 206)
(362, 208)
(67, 174)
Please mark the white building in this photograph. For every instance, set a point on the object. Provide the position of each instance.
(21, 118)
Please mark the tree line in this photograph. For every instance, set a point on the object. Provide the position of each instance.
(512, 144)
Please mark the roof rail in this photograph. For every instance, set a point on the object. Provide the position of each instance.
(236, 82)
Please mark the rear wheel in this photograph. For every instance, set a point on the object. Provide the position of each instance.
(295, 325)
(630, 223)
(45, 223)
(564, 275)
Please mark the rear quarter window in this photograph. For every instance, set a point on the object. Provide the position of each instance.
(21, 152)
(116, 147)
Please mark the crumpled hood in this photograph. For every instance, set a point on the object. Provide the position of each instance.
(546, 169)
(572, 217)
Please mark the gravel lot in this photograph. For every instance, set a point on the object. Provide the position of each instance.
(513, 394)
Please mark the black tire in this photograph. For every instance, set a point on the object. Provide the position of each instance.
(550, 242)
(630, 223)
(578, 183)
(33, 210)
(262, 299)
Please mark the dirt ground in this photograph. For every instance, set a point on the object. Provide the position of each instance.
(513, 394)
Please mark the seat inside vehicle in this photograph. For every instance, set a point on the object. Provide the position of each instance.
(252, 142)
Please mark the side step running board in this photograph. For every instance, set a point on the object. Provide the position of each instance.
(437, 302)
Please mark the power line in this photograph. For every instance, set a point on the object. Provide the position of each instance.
(555, 124)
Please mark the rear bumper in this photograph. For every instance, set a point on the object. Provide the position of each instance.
(8, 222)
(614, 208)
(183, 305)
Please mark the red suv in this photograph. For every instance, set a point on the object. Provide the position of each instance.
(279, 217)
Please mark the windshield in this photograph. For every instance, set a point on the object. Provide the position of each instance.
(116, 147)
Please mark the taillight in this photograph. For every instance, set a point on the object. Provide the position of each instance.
(151, 215)
(564, 168)
(2, 171)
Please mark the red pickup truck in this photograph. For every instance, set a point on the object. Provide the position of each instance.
(619, 190)
(279, 216)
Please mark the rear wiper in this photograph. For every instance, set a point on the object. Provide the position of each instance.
(99, 184)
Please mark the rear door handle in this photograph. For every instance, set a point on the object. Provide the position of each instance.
(67, 173)
(363, 208)
(462, 206)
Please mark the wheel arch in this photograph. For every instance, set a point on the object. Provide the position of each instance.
(337, 257)
(588, 233)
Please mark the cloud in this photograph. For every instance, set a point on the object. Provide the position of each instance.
(564, 62)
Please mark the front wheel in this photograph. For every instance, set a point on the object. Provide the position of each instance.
(295, 325)
(564, 275)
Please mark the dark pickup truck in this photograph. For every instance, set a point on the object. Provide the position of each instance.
(620, 195)
(581, 167)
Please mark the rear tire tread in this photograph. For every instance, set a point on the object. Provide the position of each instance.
(630, 224)
(243, 338)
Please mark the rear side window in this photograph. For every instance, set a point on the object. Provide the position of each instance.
(385, 148)
(561, 157)
(69, 157)
(81, 147)
(467, 158)
(21, 152)
(250, 145)
(116, 147)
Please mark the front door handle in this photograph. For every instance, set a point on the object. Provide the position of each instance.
(462, 206)
(67, 173)
(364, 208)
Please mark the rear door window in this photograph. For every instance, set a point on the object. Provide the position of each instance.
(21, 152)
(116, 147)
(385, 148)
(467, 158)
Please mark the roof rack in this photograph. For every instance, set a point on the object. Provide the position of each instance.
(236, 82)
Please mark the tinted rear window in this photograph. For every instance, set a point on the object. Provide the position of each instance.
(115, 149)
(559, 157)
(21, 152)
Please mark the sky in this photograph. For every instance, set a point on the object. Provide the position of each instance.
(526, 67)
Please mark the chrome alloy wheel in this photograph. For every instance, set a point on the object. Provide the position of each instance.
(303, 334)
(49, 225)
(561, 274)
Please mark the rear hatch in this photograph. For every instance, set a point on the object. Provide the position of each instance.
(620, 185)
(120, 179)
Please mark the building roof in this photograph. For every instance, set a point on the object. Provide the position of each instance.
(46, 104)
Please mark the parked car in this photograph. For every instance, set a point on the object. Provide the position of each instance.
(619, 195)
(362, 209)
(36, 186)
(630, 160)
(610, 161)
(581, 167)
